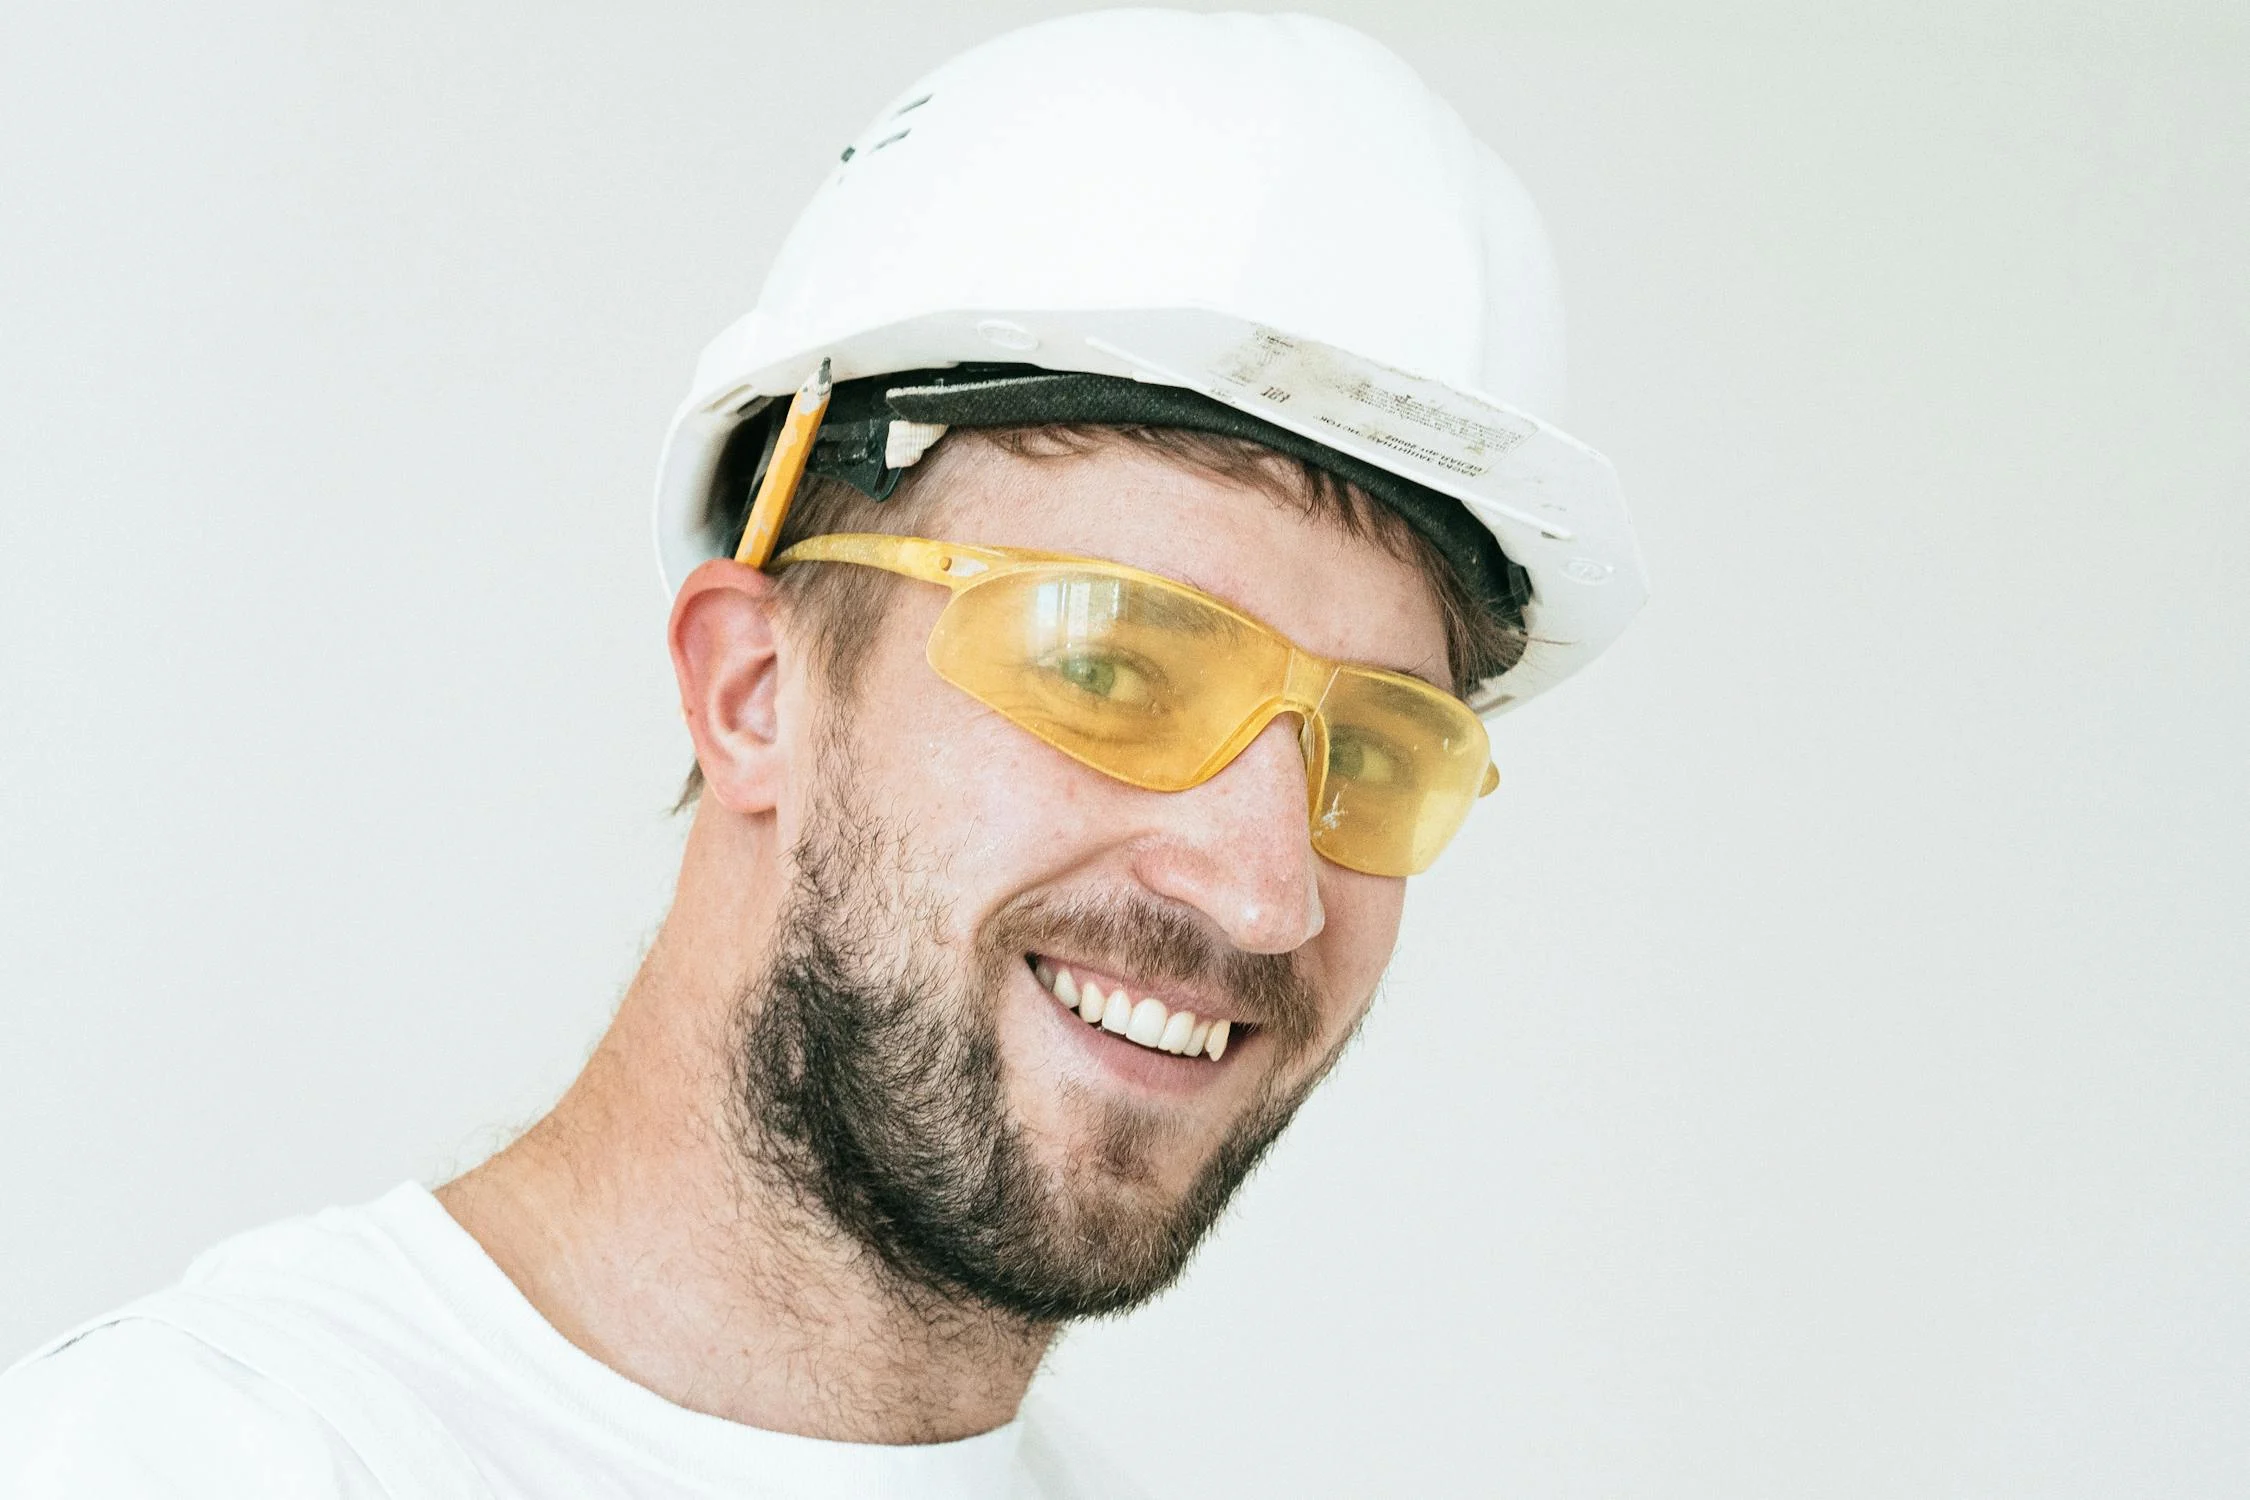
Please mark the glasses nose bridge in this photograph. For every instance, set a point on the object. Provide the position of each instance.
(1303, 692)
(1306, 686)
(1303, 686)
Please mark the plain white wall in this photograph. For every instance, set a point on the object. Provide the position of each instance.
(1821, 1072)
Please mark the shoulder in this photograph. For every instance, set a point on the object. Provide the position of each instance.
(136, 1408)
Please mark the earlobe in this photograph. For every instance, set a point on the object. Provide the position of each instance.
(727, 660)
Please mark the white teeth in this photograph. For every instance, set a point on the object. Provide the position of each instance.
(1150, 1023)
(1147, 1024)
(1117, 1012)
(1176, 1031)
(1087, 999)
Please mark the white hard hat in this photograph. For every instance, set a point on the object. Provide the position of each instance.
(1272, 211)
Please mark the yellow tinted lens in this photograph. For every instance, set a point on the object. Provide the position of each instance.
(1405, 763)
(1140, 681)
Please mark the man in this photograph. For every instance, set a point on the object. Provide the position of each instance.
(1090, 558)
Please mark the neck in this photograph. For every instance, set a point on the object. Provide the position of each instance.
(643, 1226)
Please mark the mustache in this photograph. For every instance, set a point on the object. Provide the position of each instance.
(1155, 942)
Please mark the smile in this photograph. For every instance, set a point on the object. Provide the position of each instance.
(1147, 1022)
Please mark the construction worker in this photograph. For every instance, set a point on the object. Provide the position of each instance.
(1093, 562)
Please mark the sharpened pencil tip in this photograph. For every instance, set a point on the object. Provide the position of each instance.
(818, 383)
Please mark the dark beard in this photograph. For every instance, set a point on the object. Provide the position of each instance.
(873, 1093)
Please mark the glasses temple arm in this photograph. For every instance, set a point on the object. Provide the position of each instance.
(949, 563)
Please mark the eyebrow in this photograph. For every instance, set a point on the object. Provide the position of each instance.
(1167, 609)
(1440, 677)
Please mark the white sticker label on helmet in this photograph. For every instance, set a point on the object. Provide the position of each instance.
(1417, 419)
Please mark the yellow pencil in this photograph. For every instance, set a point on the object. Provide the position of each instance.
(791, 451)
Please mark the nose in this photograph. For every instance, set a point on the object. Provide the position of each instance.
(1238, 848)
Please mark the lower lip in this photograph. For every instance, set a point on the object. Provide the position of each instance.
(1143, 1067)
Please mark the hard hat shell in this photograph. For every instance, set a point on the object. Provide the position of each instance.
(1274, 211)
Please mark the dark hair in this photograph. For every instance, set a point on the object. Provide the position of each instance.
(835, 612)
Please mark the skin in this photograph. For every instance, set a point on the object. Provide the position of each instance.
(629, 1217)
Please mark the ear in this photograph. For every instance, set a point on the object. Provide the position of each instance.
(727, 658)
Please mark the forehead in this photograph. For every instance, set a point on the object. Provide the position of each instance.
(1333, 593)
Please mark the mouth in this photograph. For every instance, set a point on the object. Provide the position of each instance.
(1145, 1020)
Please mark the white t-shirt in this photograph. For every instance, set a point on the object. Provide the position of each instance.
(377, 1353)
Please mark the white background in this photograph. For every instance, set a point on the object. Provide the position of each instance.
(1822, 1071)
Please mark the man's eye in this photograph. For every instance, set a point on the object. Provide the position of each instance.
(1359, 756)
(1089, 672)
(1111, 679)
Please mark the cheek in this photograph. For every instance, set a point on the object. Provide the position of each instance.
(1013, 810)
(997, 809)
(1355, 944)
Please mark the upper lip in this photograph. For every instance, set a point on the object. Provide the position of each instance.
(1207, 1007)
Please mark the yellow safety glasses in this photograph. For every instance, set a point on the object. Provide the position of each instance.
(1160, 686)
